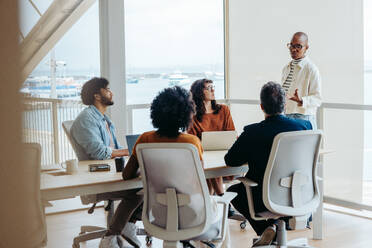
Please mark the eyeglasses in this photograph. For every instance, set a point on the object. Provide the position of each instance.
(295, 46)
(210, 87)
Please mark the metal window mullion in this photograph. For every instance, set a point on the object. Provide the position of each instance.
(35, 7)
(55, 131)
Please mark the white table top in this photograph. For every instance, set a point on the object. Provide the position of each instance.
(56, 185)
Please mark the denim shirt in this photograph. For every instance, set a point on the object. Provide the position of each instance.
(90, 132)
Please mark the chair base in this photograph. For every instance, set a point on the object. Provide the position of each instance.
(241, 218)
(96, 232)
(172, 244)
(86, 229)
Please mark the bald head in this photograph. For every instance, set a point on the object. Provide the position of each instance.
(299, 45)
(301, 36)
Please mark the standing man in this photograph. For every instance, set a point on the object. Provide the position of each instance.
(301, 82)
(94, 134)
(253, 147)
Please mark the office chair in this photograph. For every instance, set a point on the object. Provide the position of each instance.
(177, 205)
(92, 232)
(290, 186)
(35, 234)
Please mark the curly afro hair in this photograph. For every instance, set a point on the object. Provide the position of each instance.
(197, 90)
(171, 111)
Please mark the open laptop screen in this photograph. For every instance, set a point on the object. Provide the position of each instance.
(131, 141)
(218, 140)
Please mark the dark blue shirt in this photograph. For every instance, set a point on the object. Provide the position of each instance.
(254, 145)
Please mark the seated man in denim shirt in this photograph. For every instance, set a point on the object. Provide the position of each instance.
(92, 129)
(94, 134)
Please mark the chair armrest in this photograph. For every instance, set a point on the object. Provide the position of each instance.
(226, 198)
(247, 182)
(225, 201)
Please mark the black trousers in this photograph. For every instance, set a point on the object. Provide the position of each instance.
(240, 203)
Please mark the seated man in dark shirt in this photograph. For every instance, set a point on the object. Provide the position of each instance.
(253, 147)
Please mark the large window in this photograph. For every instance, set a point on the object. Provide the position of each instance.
(171, 42)
(368, 100)
(71, 62)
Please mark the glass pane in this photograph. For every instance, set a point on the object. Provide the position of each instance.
(367, 172)
(172, 42)
(368, 45)
(141, 121)
(367, 52)
(29, 16)
(73, 60)
(348, 170)
(244, 114)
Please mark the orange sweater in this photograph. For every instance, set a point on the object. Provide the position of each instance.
(213, 122)
(131, 169)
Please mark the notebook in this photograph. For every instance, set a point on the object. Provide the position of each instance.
(218, 140)
(131, 141)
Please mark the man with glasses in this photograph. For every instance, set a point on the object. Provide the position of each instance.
(301, 82)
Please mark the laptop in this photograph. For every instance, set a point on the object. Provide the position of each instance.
(131, 141)
(218, 140)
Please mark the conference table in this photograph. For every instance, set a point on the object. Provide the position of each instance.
(57, 185)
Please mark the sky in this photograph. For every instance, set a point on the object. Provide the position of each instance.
(79, 47)
(171, 34)
(174, 32)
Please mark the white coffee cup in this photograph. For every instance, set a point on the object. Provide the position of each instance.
(71, 166)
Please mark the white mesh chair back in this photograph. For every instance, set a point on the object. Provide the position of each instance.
(79, 151)
(81, 155)
(290, 186)
(35, 234)
(173, 168)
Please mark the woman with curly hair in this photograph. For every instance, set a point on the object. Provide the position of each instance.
(209, 116)
(171, 113)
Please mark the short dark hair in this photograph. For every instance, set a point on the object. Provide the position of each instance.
(197, 91)
(171, 111)
(272, 98)
(92, 87)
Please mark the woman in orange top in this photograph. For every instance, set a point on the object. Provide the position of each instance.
(171, 114)
(209, 116)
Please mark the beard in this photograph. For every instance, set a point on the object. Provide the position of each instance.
(106, 101)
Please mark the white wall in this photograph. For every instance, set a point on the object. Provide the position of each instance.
(258, 34)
